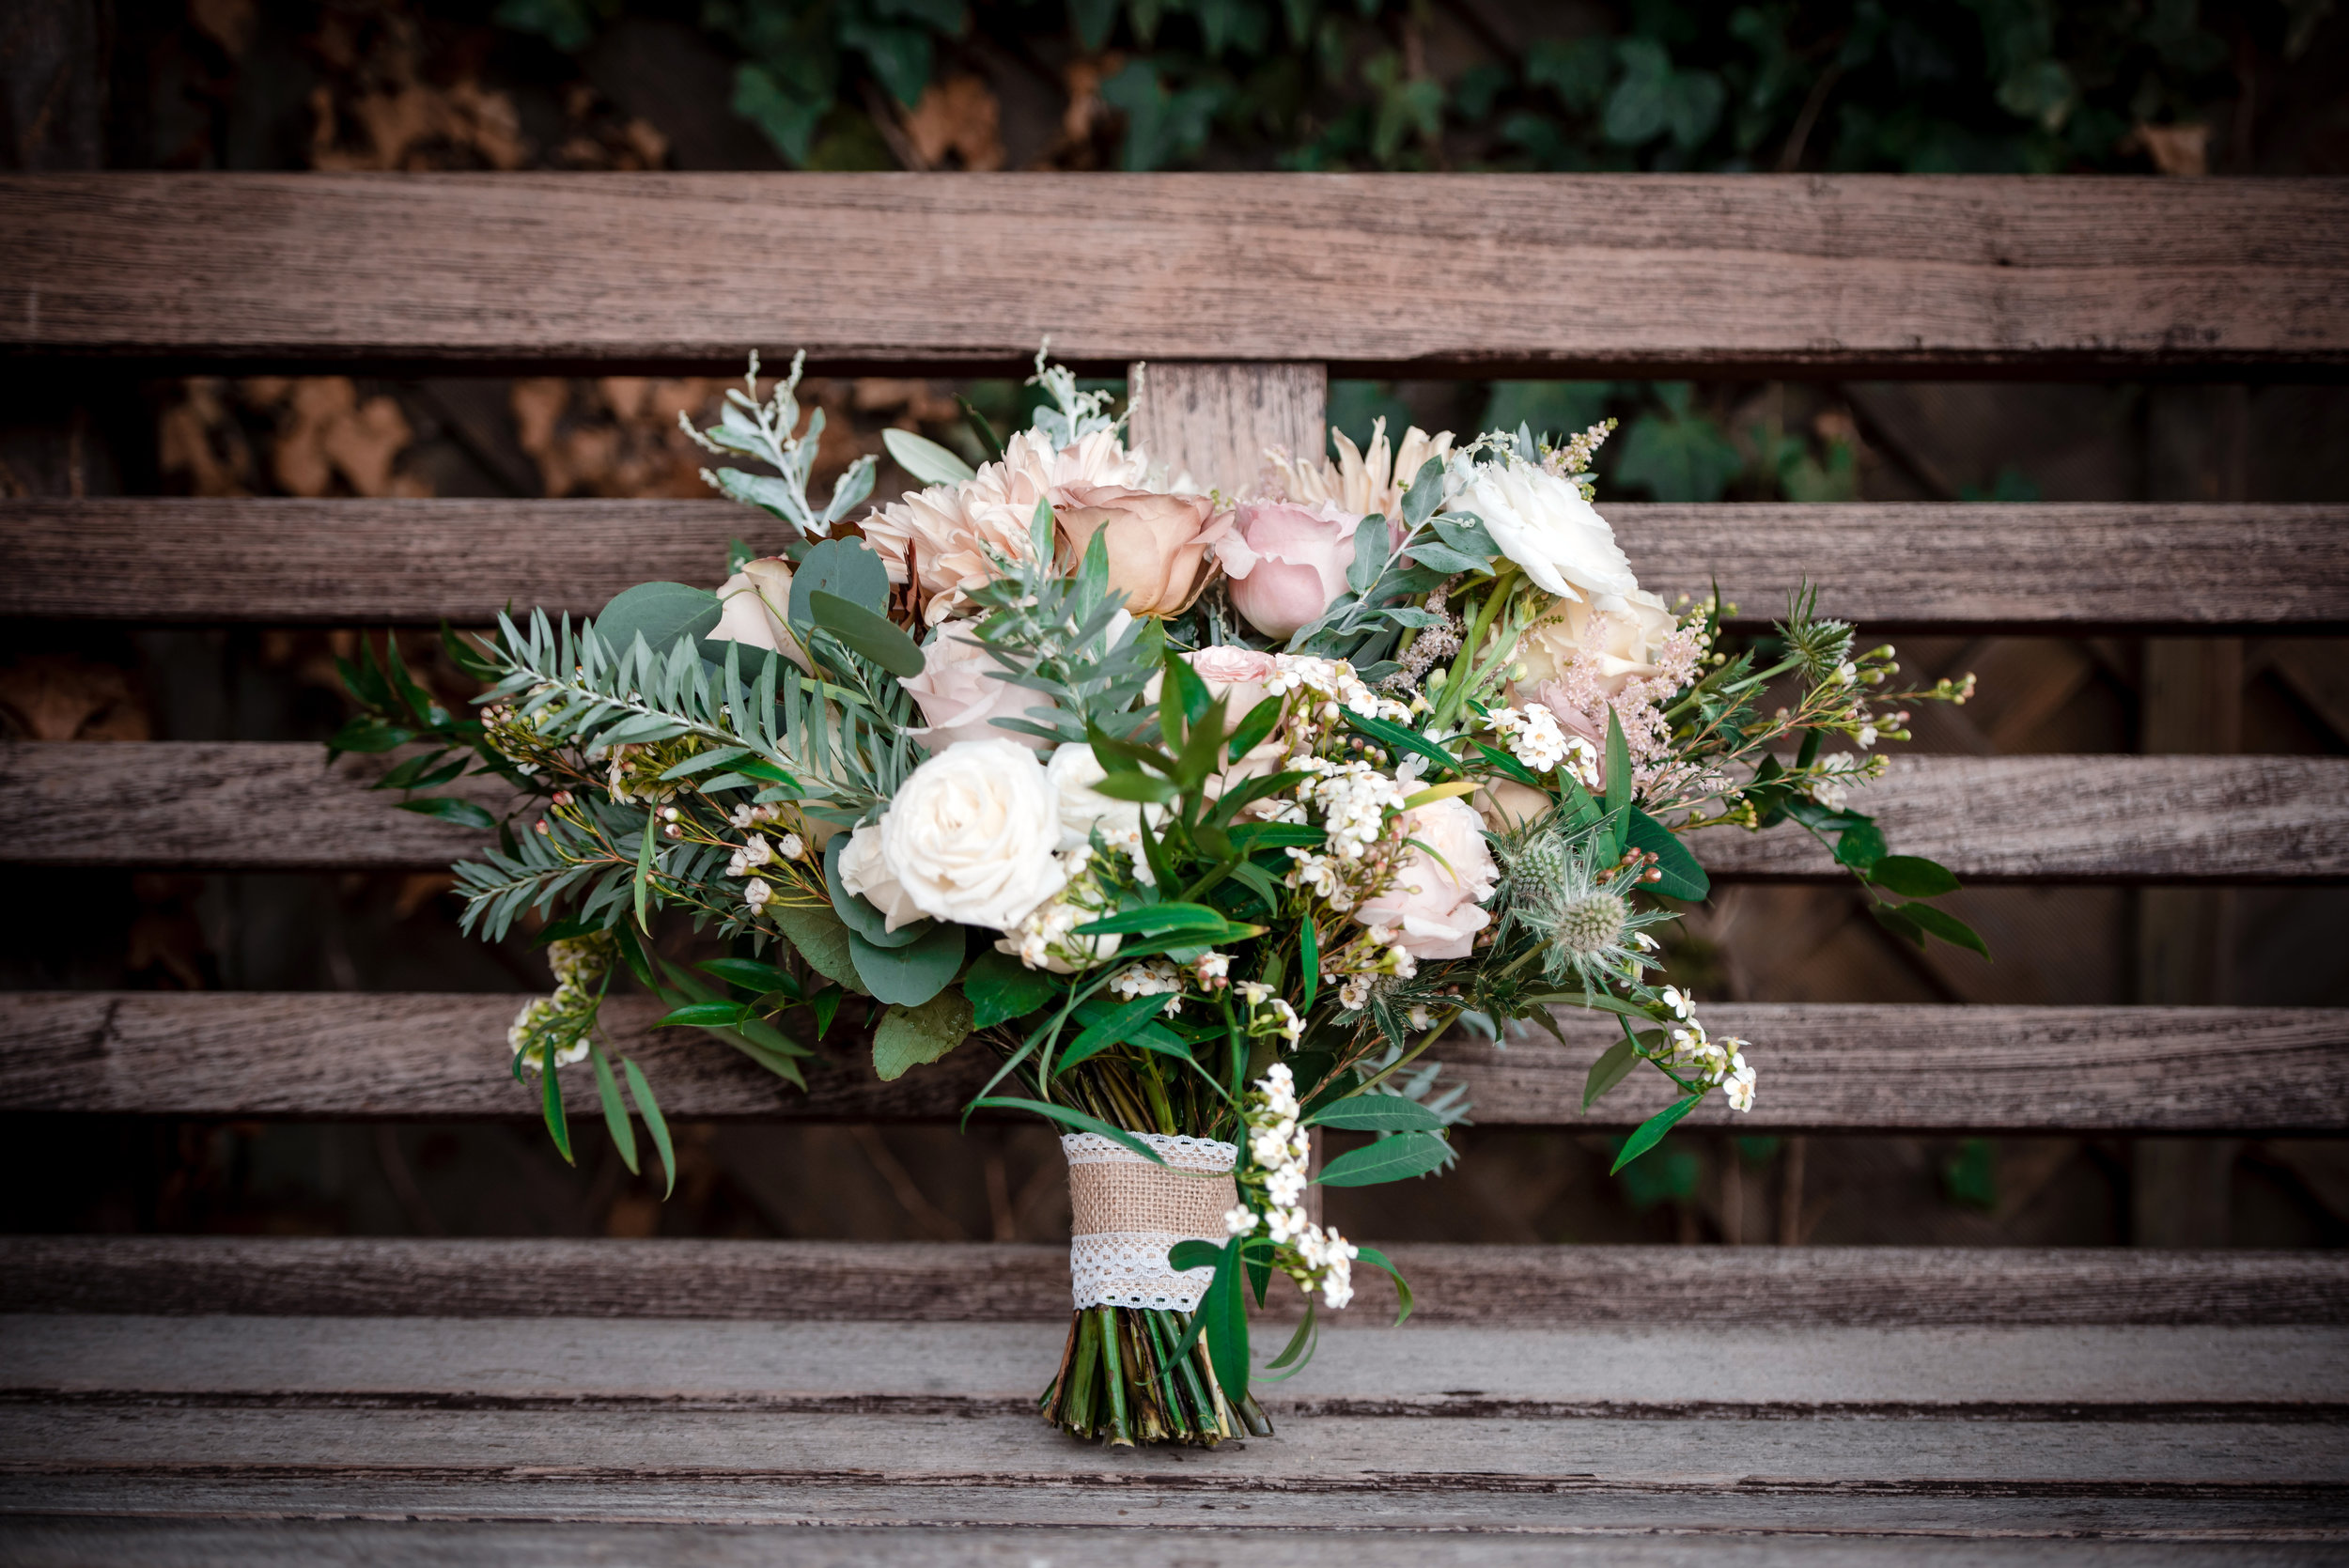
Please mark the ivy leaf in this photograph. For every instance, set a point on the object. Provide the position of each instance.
(1678, 458)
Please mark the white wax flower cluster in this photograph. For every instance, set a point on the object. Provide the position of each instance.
(1716, 1061)
(567, 1013)
(1317, 1258)
(1541, 743)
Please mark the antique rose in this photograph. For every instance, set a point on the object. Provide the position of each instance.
(1541, 521)
(1434, 904)
(1157, 544)
(753, 602)
(1617, 637)
(962, 692)
(971, 833)
(1236, 674)
(1287, 562)
(864, 872)
(944, 534)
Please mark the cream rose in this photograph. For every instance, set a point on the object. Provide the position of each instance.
(971, 833)
(864, 872)
(962, 692)
(1436, 905)
(1541, 521)
(752, 605)
(1074, 771)
(1504, 804)
(1157, 544)
(1618, 637)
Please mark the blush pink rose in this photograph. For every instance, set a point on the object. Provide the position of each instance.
(1287, 562)
(962, 692)
(1437, 906)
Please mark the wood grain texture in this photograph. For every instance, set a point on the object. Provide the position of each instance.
(1738, 274)
(373, 563)
(1215, 421)
(66, 1541)
(1754, 1287)
(233, 805)
(444, 1057)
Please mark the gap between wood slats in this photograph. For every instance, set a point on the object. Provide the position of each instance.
(1744, 273)
(324, 1055)
(225, 806)
(977, 1282)
(376, 563)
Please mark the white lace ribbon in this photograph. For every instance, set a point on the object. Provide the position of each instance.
(1128, 1213)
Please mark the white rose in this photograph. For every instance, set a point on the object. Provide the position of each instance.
(1074, 771)
(1437, 906)
(751, 602)
(864, 872)
(1541, 521)
(971, 833)
(1619, 636)
(962, 692)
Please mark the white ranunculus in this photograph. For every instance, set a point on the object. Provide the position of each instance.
(752, 604)
(971, 834)
(1541, 521)
(864, 872)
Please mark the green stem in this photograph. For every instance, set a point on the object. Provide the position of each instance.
(1114, 1373)
(1077, 1410)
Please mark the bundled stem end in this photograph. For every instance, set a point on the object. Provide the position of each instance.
(1123, 1381)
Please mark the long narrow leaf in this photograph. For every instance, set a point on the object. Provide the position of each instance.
(646, 1107)
(614, 1113)
(1077, 1119)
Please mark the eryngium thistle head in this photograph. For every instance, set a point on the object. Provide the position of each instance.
(1589, 925)
(1584, 926)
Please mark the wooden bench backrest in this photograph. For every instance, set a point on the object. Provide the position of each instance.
(1242, 293)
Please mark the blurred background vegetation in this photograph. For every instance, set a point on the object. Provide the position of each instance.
(2114, 86)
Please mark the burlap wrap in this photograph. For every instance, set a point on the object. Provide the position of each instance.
(1127, 1213)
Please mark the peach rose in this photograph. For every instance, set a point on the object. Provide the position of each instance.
(752, 605)
(1157, 544)
(1287, 562)
(1437, 906)
(962, 692)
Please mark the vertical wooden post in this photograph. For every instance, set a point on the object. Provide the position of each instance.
(2189, 700)
(1214, 421)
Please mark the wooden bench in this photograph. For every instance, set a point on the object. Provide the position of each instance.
(248, 1401)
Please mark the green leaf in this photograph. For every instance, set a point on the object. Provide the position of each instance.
(1894, 918)
(1002, 988)
(1678, 458)
(1683, 877)
(857, 911)
(1598, 1001)
(1301, 1346)
(464, 814)
(1379, 1260)
(911, 975)
(1071, 1118)
(646, 851)
(1153, 919)
(750, 975)
(614, 1113)
(367, 734)
(876, 637)
(1618, 798)
(1111, 1028)
(1912, 877)
(1613, 1065)
(1254, 727)
(551, 1106)
(924, 458)
(1139, 788)
(1309, 963)
(1376, 1113)
(845, 568)
(1399, 738)
(911, 1036)
(650, 1108)
(1648, 1133)
(1390, 1159)
(1224, 1312)
(1184, 1256)
(660, 613)
(704, 1015)
(1947, 927)
(821, 940)
(1859, 846)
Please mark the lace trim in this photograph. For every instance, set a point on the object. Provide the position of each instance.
(1182, 1152)
(1127, 1269)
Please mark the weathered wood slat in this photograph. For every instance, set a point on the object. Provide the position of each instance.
(443, 1056)
(1361, 1368)
(1214, 421)
(64, 1541)
(376, 563)
(1739, 272)
(1753, 1287)
(273, 806)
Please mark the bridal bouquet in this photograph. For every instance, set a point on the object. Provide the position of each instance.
(1204, 816)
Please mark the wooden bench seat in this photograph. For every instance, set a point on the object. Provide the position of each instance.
(245, 1400)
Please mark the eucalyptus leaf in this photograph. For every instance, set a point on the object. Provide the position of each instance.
(857, 910)
(660, 612)
(911, 975)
